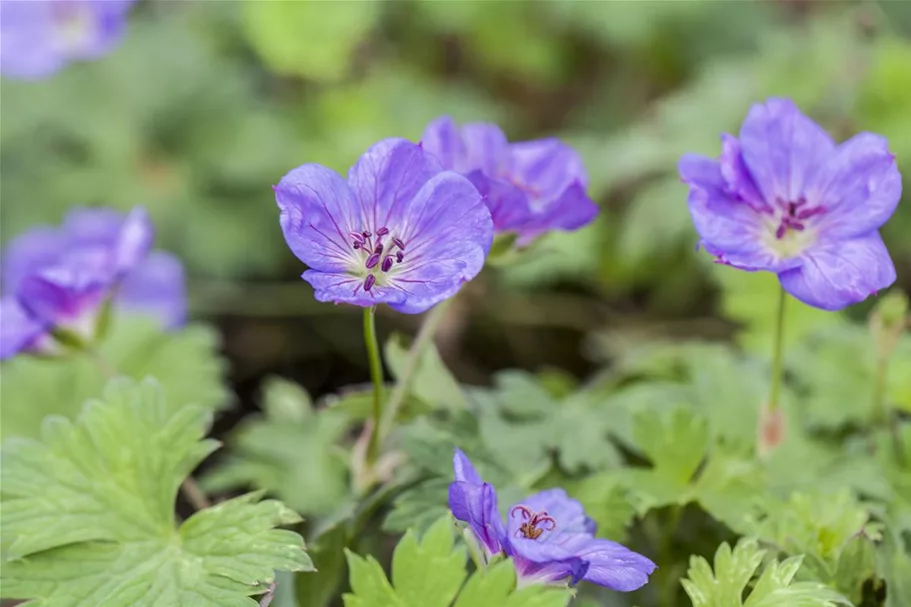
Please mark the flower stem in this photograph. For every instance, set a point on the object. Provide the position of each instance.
(376, 376)
(423, 339)
(777, 354)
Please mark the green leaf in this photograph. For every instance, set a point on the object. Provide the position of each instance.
(292, 452)
(88, 513)
(430, 572)
(734, 569)
(432, 382)
(675, 444)
(604, 499)
(185, 362)
(308, 38)
(319, 588)
(856, 565)
(420, 506)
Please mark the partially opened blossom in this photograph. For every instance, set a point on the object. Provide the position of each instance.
(548, 535)
(785, 198)
(39, 37)
(60, 279)
(400, 231)
(530, 187)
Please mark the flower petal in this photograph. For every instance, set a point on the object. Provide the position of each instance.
(318, 213)
(156, 287)
(449, 232)
(609, 564)
(859, 185)
(477, 146)
(442, 139)
(341, 287)
(26, 47)
(28, 253)
(736, 176)
(18, 330)
(386, 179)
(569, 211)
(545, 563)
(838, 273)
(729, 228)
(569, 514)
(549, 166)
(477, 505)
(782, 148)
(508, 205)
(464, 470)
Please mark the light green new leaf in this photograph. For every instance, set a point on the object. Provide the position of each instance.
(292, 452)
(185, 362)
(675, 444)
(734, 569)
(88, 513)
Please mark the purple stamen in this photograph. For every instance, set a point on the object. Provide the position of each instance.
(379, 248)
(387, 264)
(382, 231)
(356, 245)
(807, 213)
(398, 242)
(399, 256)
(357, 237)
(368, 282)
(373, 260)
(366, 234)
(779, 233)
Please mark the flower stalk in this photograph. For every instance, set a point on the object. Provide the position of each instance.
(376, 377)
(777, 354)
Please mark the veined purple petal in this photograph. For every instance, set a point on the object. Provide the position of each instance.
(726, 225)
(736, 176)
(545, 562)
(609, 564)
(63, 294)
(341, 287)
(18, 330)
(449, 232)
(547, 167)
(386, 179)
(318, 214)
(464, 470)
(782, 148)
(476, 146)
(28, 253)
(859, 186)
(509, 206)
(156, 287)
(443, 139)
(568, 513)
(569, 211)
(838, 273)
(476, 505)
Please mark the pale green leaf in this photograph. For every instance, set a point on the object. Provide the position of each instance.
(428, 574)
(675, 444)
(88, 513)
(291, 452)
(185, 362)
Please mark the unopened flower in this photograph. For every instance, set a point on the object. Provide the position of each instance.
(58, 280)
(530, 187)
(39, 37)
(548, 535)
(785, 198)
(399, 231)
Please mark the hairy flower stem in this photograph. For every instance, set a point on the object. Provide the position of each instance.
(376, 376)
(777, 354)
(423, 339)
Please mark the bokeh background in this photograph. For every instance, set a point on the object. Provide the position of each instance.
(206, 104)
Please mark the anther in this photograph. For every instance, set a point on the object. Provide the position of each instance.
(399, 256)
(368, 282)
(387, 264)
(779, 233)
(382, 231)
(357, 237)
(398, 242)
(379, 248)
(373, 260)
(807, 213)
(366, 234)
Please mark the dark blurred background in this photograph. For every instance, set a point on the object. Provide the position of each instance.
(206, 104)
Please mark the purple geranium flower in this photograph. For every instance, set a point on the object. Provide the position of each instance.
(529, 187)
(548, 536)
(785, 198)
(400, 231)
(39, 37)
(59, 279)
